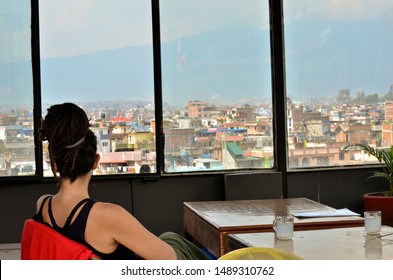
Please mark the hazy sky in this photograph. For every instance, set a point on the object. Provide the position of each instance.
(74, 27)
(71, 27)
(339, 9)
(14, 30)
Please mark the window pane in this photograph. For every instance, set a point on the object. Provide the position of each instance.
(16, 90)
(339, 79)
(216, 85)
(98, 54)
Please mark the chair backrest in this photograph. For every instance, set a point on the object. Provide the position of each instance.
(259, 253)
(41, 242)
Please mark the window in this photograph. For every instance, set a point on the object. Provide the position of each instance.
(17, 156)
(216, 85)
(338, 79)
(214, 71)
(98, 54)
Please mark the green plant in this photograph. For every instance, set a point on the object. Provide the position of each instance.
(385, 157)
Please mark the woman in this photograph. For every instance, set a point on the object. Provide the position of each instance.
(108, 229)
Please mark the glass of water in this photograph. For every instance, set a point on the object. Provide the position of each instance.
(372, 222)
(283, 226)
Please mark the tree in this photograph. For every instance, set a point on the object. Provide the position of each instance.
(389, 96)
(344, 96)
(372, 98)
(360, 97)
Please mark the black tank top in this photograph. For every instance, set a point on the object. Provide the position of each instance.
(76, 229)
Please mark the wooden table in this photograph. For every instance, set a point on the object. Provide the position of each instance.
(210, 222)
(324, 244)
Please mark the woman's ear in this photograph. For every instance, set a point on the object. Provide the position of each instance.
(96, 161)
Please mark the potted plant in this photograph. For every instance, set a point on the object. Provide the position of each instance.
(382, 201)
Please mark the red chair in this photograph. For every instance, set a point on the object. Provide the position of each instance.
(41, 242)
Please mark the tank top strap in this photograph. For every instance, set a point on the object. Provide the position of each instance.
(52, 219)
(69, 219)
(42, 204)
(76, 228)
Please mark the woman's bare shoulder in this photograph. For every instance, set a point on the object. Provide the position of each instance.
(106, 209)
(109, 217)
(41, 199)
(107, 206)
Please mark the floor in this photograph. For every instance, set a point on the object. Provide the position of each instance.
(10, 251)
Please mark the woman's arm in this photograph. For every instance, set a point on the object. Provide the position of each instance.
(118, 224)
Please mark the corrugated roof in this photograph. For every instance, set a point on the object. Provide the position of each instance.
(234, 149)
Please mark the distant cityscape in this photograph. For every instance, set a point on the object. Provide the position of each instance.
(201, 136)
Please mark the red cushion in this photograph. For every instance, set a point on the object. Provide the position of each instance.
(41, 242)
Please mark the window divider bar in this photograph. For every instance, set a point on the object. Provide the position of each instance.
(36, 68)
(160, 137)
(278, 90)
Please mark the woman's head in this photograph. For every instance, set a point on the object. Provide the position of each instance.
(72, 145)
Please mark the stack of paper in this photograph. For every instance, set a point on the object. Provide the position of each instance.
(327, 213)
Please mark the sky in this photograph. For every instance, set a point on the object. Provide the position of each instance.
(14, 30)
(74, 27)
(69, 28)
(338, 9)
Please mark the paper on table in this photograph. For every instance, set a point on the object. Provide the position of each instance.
(327, 213)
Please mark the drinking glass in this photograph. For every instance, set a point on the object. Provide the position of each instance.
(283, 226)
(372, 222)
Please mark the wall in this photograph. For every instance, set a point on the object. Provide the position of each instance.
(158, 203)
(336, 188)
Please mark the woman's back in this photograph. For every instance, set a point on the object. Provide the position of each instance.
(74, 227)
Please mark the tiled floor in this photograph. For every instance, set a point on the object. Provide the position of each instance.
(10, 251)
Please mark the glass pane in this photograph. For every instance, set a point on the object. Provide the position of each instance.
(16, 90)
(216, 85)
(98, 54)
(339, 67)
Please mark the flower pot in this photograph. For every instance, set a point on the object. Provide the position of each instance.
(375, 201)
